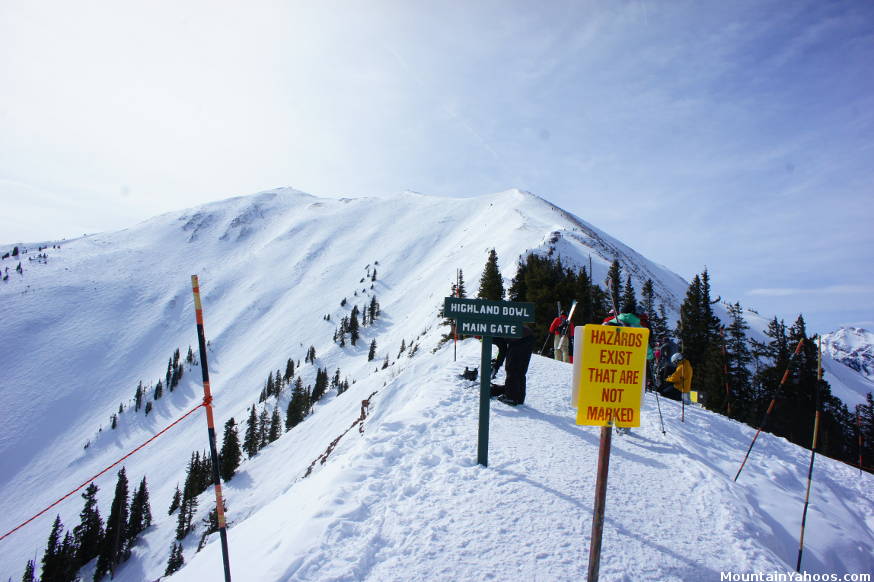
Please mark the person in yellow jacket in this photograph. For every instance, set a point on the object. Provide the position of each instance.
(682, 376)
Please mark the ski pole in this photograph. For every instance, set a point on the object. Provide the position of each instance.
(658, 404)
(859, 431)
(725, 373)
(812, 456)
(544, 343)
(770, 407)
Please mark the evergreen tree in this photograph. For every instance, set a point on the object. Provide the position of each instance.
(738, 359)
(372, 352)
(263, 428)
(28, 572)
(148, 408)
(67, 563)
(89, 532)
(250, 438)
(138, 397)
(353, 326)
(491, 284)
(275, 425)
(385, 363)
(297, 406)
(186, 517)
(658, 325)
(113, 551)
(140, 513)
(629, 301)
(518, 289)
(52, 560)
(269, 386)
(373, 309)
(321, 385)
(176, 561)
(403, 347)
(176, 501)
(700, 342)
(614, 282)
(230, 454)
(159, 390)
(289, 371)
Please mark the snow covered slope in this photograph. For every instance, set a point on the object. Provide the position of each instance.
(849, 363)
(404, 500)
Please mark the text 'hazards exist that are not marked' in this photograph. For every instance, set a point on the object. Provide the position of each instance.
(611, 375)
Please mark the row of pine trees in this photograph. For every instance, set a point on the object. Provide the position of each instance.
(734, 375)
(110, 541)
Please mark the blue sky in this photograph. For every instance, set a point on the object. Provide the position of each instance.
(737, 136)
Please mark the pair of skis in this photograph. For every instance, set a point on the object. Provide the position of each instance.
(564, 330)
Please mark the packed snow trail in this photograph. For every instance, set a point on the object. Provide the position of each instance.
(407, 501)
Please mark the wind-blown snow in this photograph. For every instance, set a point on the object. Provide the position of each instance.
(405, 499)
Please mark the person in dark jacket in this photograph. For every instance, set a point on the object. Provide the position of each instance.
(515, 355)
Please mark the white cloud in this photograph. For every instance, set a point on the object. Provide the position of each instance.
(830, 290)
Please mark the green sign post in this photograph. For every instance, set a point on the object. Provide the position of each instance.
(487, 319)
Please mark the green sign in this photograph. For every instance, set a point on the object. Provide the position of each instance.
(490, 328)
(489, 311)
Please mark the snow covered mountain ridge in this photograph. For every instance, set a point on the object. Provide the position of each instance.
(403, 499)
(853, 347)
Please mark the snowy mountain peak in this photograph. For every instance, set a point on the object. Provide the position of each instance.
(400, 497)
(854, 347)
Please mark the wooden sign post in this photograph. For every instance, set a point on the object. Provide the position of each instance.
(487, 319)
(609, 378)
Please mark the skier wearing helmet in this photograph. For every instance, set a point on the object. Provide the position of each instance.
(682, 376)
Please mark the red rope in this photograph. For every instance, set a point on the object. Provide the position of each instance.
(168, 427)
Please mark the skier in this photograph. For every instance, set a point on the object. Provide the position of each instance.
(558, 328)
(514, 354)
(682, 376)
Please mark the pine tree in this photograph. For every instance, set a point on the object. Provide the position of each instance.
(176, 561)
(738, 361)
(385, 363)
(614, 281)
(176, 501)
(518, 289)
(89, 532)
(113, 550)
(321, 385)
(250, 438)
(297, 406)
(230, 454)
(138, 397)
(67, 564)
(353, 326)
(629, 301)
(186, 517)
(372, 352)
(140, 513)
(700, 342)
(491, 284)
(159, 390)
(52, 560)
(263, 428)
(373, 309)
(275, 425)
(289, 371)
(403, 347)
(29, 572)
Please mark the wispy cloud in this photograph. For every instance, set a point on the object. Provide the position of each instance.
(830, 290)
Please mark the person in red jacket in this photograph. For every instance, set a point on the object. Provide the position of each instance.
(560, 343)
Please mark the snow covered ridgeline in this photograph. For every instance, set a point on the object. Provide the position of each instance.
(270, 267)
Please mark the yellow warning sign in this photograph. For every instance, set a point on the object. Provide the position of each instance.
(612, 372)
